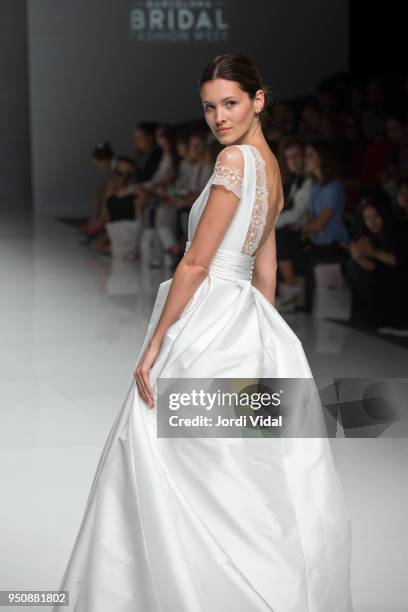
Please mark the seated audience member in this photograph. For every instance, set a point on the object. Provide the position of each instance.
(148, 153)
(373, 117)
(397, 166)
(377, 158)
(374, 270)
(399, 211)
(281, 124)
(399, 206)
(351, 150)
(105, 161)
(166, 216)
(311, 124)
(114, 207)
(118, 205)
(202, 162)
(129, 201)
(324, 232)
(151, 191)
(181, 184)
(288, 243)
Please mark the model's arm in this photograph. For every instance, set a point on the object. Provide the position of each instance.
(218, 213)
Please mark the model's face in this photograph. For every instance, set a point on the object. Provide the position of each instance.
(402, 197)
(372, 219)
(295, 159)
(312, 160)
(225, 105)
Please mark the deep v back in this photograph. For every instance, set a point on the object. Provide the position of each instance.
(257, 209)
(269, 181)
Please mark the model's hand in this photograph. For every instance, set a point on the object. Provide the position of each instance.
(141, 373)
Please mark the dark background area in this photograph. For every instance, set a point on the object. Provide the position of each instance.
(54, 78)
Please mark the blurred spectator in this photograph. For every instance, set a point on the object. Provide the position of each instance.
(314, 124)
(373, 120)
(281, 124)
(400, 205)
(374, 270)
(351, 151)
(104, 160)
(397, 166)
(297, 192)
(148, 153)
(325, 233)
(202, 167)
(118, 207)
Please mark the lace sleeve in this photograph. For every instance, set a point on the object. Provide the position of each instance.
(229, 170)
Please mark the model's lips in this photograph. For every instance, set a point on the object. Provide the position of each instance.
(223, 130)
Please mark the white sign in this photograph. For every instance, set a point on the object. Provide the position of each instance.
(179, 21)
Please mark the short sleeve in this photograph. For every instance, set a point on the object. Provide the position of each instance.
(229, 170)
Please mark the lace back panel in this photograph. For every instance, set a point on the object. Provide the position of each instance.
(260, 207)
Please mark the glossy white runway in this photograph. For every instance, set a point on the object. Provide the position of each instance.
(71, 326)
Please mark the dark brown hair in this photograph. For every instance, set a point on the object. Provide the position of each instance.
(329, 159)
(292, 140)
(239, 68)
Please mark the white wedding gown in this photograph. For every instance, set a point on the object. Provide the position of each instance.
(215, 524)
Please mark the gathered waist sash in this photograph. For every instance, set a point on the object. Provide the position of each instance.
(230, 265)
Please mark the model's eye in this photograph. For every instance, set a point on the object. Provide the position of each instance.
(231, 102)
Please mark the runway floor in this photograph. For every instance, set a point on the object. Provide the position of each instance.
(71, 326)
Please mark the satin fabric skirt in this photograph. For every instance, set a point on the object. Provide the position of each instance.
(213, 524)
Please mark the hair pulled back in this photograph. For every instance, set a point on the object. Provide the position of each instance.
(239, 68)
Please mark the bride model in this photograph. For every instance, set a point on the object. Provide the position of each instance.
(216, 524)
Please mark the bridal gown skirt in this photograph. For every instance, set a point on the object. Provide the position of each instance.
(213, 524)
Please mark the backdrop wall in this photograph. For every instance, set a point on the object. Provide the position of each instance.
(14, 110)
(99, 67)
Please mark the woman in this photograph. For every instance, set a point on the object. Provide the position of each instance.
(104, 159)
(288, 242)
(376, 269)
(166, 217)
(324, 232)
(114, 209)
(352, 150)
(210, 524)
(199, 154)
